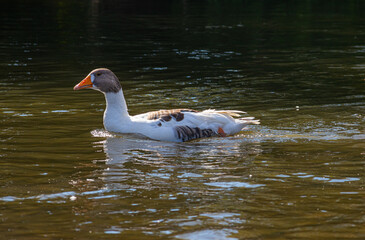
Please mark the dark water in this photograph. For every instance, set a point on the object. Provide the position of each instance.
(299, 67)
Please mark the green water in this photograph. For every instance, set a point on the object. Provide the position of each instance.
(298, 67)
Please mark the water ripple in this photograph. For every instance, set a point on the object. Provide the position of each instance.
(222, 234)
(234, 185)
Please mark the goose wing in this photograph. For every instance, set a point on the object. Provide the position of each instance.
(164, 115)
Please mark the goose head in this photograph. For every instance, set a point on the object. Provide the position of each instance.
(101, 79)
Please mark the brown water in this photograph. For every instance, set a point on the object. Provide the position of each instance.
(298, 67)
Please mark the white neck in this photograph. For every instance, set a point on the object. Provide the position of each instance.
(116, 112)
(116, 102)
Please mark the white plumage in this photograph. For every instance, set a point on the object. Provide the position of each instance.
(176, 125)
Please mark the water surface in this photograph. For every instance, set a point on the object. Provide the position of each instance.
(298, 67)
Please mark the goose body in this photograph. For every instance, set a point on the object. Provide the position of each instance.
(178, 125)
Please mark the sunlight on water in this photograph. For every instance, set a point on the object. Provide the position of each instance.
(299, 68)
(234, 185)
(208, 234)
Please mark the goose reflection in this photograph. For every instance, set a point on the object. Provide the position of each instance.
(139, 162)
(134, 166)
(122, 149)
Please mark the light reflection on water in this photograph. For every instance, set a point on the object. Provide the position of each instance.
(300, 174)
(162, 182)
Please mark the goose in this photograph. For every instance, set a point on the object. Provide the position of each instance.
(176, 125)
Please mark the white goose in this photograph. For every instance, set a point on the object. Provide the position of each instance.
(178, 125)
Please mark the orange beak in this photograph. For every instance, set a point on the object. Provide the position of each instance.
(86, 83)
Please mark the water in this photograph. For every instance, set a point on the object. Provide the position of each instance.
(298, 67)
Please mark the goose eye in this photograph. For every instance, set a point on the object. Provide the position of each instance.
(98, 74)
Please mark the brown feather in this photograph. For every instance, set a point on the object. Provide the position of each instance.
(167, 115)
